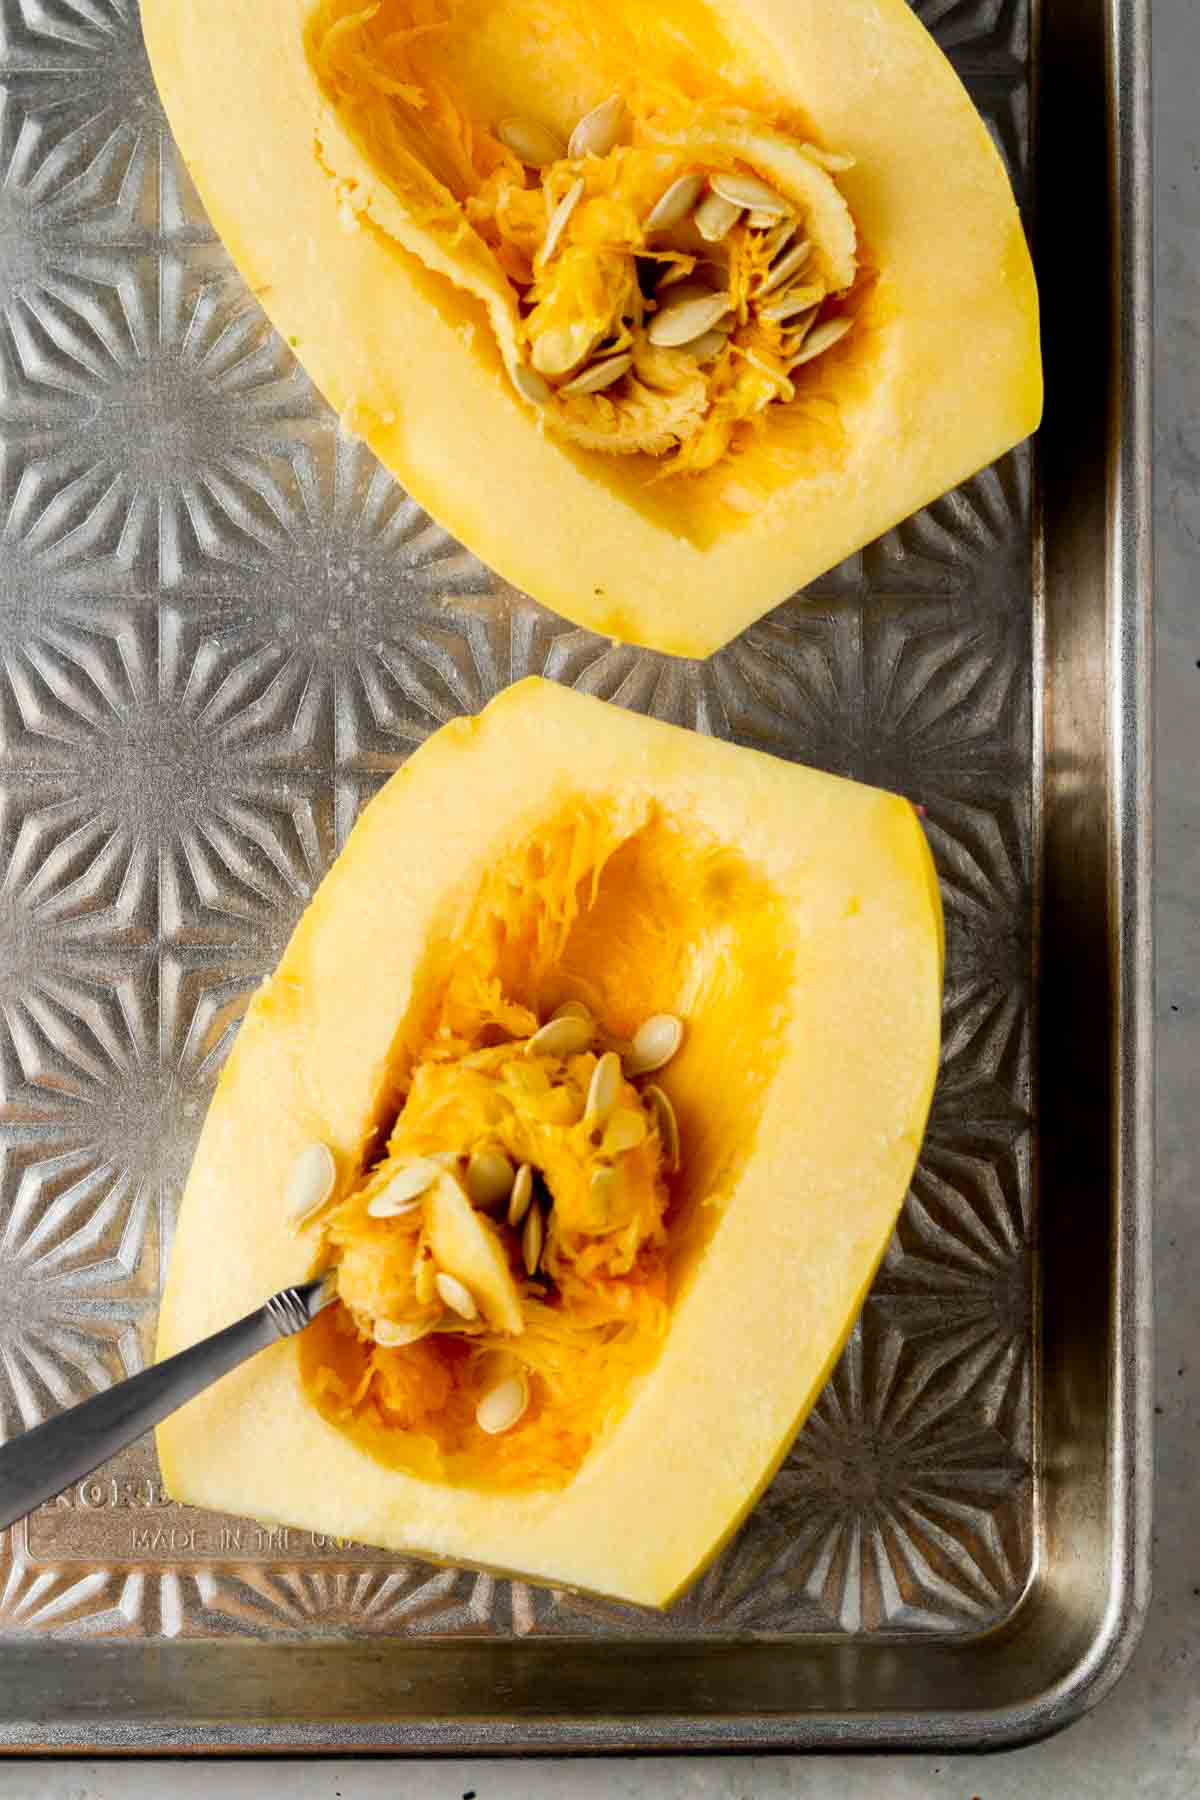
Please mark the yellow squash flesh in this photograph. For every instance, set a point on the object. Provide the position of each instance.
(790, 918)
(404, 317)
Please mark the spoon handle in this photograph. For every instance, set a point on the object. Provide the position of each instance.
(39, 1464)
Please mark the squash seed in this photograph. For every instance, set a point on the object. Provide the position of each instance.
(716, 217)
(558, 350)
(458, 1298)
(309, 1183)
(560, 218)
(535, 144)
(531, 387)
(779, 237)
(784, 267)
(693, 289)
(381, 1208)
(708, 344)
(624, 1131)
(758, 220)
(532, 1239)
(748, 191)
(684, 317)
(489, 1179)
(654, 1044)
(673, 206)
(391, 1335)
(836, 161)
(792, 301)
(796, 332)
(666, 1122)
(598, 375)
(568, 1036)
(502, 1405)
(571, 1009)
(522, 1194)
(597, 132)
(821, 338)
(604, 1088)
(403, 1192)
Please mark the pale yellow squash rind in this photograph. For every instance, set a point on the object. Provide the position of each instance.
(779, 1283)
(411, 364)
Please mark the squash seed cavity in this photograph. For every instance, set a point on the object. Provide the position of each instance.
(463, 1258)
(713, 187)
(731, 213)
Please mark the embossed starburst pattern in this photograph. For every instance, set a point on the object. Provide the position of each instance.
(79, 97)
(904, 1503)
(222, 626)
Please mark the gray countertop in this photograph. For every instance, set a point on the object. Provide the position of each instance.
(1144, 1740)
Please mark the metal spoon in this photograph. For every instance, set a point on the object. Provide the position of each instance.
(41, 1463)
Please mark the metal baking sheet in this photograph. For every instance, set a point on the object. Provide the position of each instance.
(222, 626)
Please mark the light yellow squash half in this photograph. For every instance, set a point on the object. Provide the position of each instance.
(789, 918)
(348, 155)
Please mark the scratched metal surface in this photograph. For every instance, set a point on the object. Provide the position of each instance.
(221, 627)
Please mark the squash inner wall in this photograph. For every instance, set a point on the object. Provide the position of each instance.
(629, 913)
